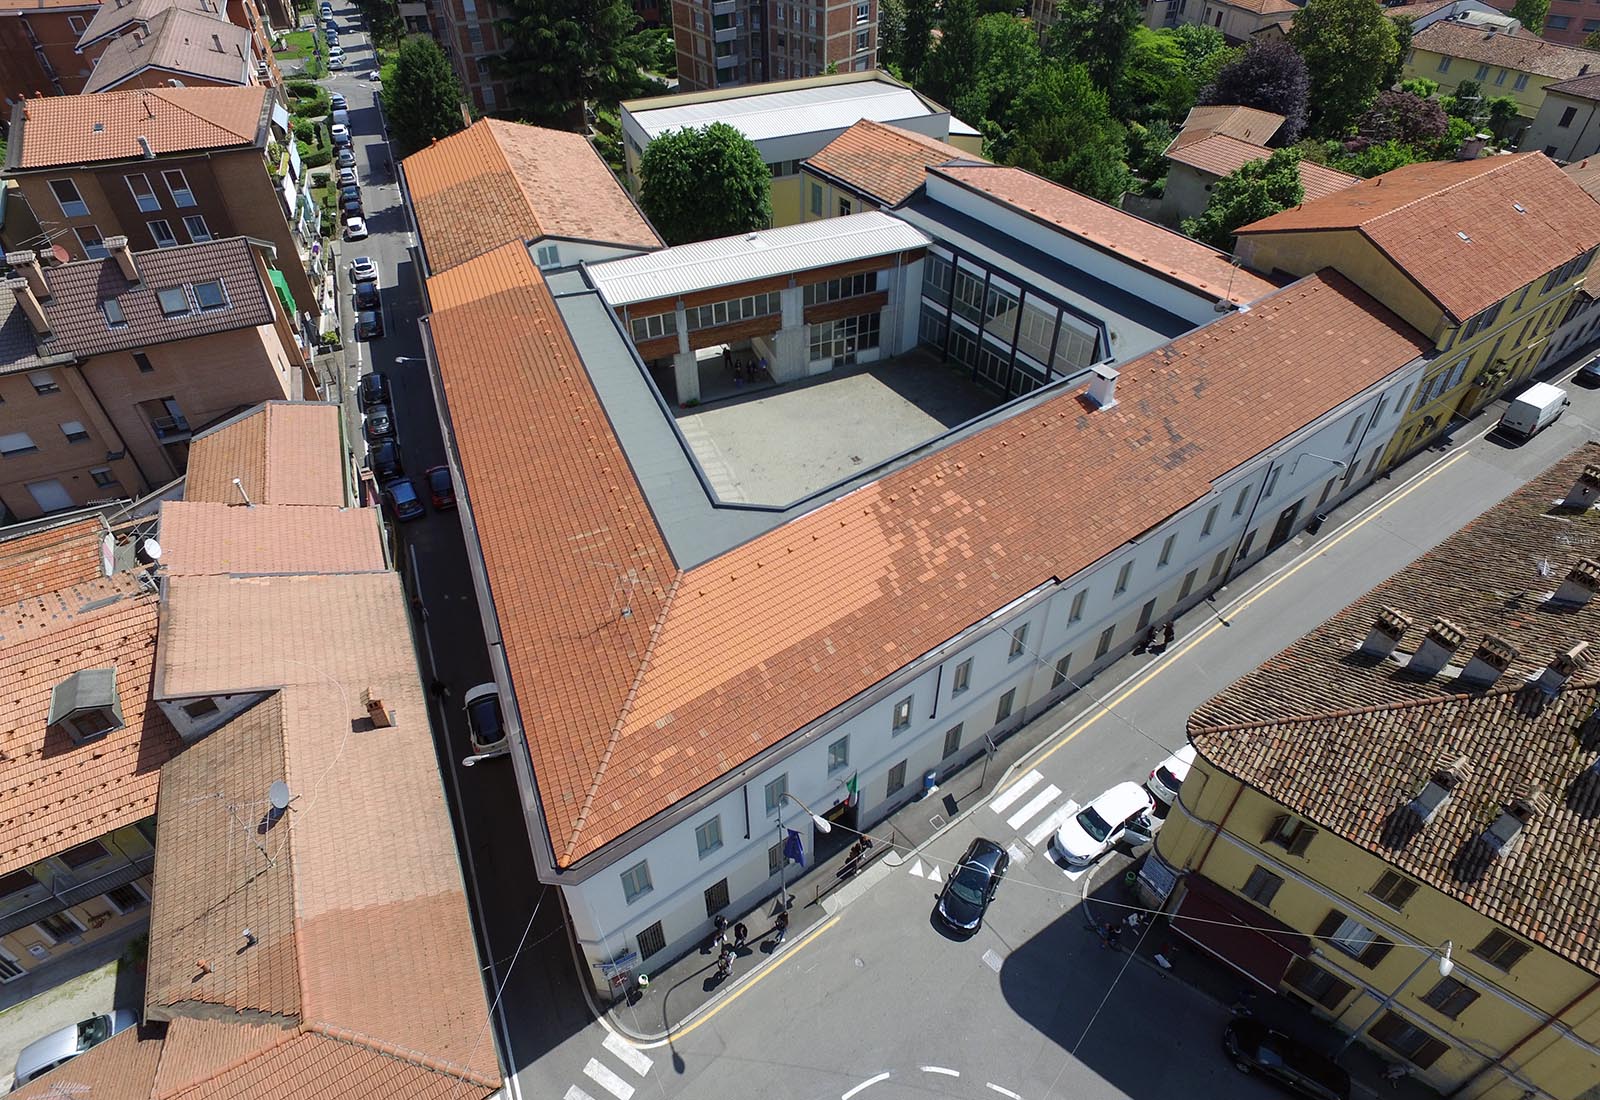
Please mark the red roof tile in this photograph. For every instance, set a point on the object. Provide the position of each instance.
(1245, 123)
(77, 129)
(885, 162)
(1453, 226)
(55, 558)
(1220, 155)
(273, 450)
(1522, 51)
(121, 1068)
(220, 539)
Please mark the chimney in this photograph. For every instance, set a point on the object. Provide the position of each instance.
(1576, 591)
(1438, 646)
(1386, 633)
(1103, 386)
(1585, 491)
(1472, 147)
(1437, 790)
(1494, 656)
(1562, 669)
(144, 148)
(30, 305)
(1504, 832)
(379, 712)
(28, 264)
(138, 39)
(118, 247)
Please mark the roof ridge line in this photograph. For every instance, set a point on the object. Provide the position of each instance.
(615, 735)
(160, 93)
(289, 1034)
(405, 1054)
(500, 150)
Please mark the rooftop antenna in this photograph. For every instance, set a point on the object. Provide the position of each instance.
(239, 485)
(627, 577)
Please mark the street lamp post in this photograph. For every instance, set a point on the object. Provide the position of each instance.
(1446, 965)
(823, 826)
(409, 359)
(468, 761)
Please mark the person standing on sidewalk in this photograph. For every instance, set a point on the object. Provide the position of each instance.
(781, 925)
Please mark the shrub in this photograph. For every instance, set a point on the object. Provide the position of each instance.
(315, 158)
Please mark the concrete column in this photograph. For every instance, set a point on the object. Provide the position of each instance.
(685, 367)
(898, 333)
(789, 343)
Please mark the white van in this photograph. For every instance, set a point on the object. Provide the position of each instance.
(1534, 410)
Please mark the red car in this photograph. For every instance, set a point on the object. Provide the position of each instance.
(440, 488)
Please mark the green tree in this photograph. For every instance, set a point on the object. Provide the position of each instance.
(1257, 190)
(953, 65)
(562, 55)
(1402, 46)
(698, 183)
(1157, 79)
(1007, 62)
(891, 32)
(1503, 117)
(1420, 86)
(917, 42)
(382, 18)
(1593, 41)
(1377, 159)
(1204, 49)
(1531, 13)
(1068, 135)
(422, 99)
(1094, 34)
(1348, 46)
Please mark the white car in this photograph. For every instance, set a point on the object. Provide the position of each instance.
(336, 61)
(335, 51)
(1094, 830)
(43, 1055)
(363, 270)
(485, 728)
(340, 133)
(355, 229)
(1168, 775)
(374, 75)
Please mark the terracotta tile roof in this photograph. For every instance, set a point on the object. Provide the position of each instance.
(632, 713)
(45, 561)
(1346, 739)
(1154, 247)
(1586, 174)
(1520, 51)
(1416, 216)
(112, 16)
(1220, 155)
(1416, 11)
(24, 6)
(53, 793)
(1245, 123)
(188, 43)
(79, 129)
(885, 162)
(205, 538)
(499, 181)
(19, 344)
(1263, 7)
(121, 1068)
(1582, 87)
(274, 451)
(194, 1049)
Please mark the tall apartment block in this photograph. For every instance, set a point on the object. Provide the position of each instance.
(466, 31)
(722, 43)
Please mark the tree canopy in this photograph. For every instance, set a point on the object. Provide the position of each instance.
(953, 64)
(891, 32)
(1157, 80)
(1348, 47)
(422, 99)
(698, 183)
(1007, 61)
(382, 18)
(1095, 34)
(1531, 13)
(918, 38)
(562, 55)
(1066, 133)
(1403, 117)
(1270, 76)
(1257, 190)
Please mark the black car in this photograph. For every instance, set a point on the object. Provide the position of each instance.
(350, 192)
(972, 885)
(366, 296)
(1256, 1048)
(369, 325)
(379, 424)
(373, 389)
(383, 459)
(401, 496)
(351, 208)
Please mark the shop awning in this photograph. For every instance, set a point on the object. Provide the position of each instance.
(282, 286)
(1248, 939)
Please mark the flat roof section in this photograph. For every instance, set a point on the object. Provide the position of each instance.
(763, 115)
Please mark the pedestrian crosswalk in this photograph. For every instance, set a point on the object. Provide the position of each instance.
(607, 1080)
(1025, 805)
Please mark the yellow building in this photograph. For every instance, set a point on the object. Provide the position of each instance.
(1394, 820)
(790, 120)
(1483, 256)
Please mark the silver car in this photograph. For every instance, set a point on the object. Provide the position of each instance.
(43, 1055)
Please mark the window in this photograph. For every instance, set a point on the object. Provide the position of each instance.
(654, 327)
(1500, 77)
(1166, 550)
(1444, 64)
(1353, 938)
(1290, 833)
(1450, 997)
(67, 197)
(1123, 576)
(962, 679)
(74, 431)
(708, 836)
(94, 245)
(1317, 983)
(1217, 564)
(181, 195)
(1019, 642)
(902, 715)
(103, 476)
(1483, 71)
(897, 778)
(143, 193)
(775, 792)
(113, 313)
(1355, 430)
(59, 927)
(161, 232)
(651, 941)
(636, 881)
(1003, 711)
(1188, 585)
(844, 208)
(952, 740)
(198, 231)
(1522, 80)
(1394, 890)
(1104, 646)
(839, 755)
(1261, 887)
(1567, 116)
(17, 443)
(863, 12)
(127, 898)
(174, 301)
(1077, 605)
(1272, 481)
(1211, 520)
(43, 382)
(1146, 613)
(1408, 1041)
(1500, 950)
(211, 296)
(82, 855)
(142, 361)
(716, 897)
(861, 40)
(816, 199)
(1244, 498)
(77, 24)
(1060, 676)
(10, 971)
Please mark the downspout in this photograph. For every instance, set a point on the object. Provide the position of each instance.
(151, 486)
(1237, 791)
(1261, 493)
(1520, 1043)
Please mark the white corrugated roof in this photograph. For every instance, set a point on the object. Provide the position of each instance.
(760, 255)
(798, 111)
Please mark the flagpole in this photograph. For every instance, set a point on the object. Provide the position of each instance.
(822, 824)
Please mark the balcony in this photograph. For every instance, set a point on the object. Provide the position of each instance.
(168, 429)
(728, 61)
(723, 7)
(66, 892)
(726, 34)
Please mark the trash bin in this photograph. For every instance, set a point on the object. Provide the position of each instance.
(930, 782)
(1316, 523)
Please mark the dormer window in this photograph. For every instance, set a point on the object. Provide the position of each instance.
(85, 705)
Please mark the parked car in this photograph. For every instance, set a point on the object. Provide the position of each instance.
(379, 424)
(972, 885)
(366, 295)
(45, 1054)
(1589, 373)
(355, 229)
(335, 52)
(350, 208)
(1168, 775)
(336, 61)
(441, 489)
(347, 177)
(369, 325)
(1533, 410)
(486, 731)
(401, 496)
(384, 460)
(1094, 830)
(350, 194)
(1256, 1048)
(326, 9)
(336, 101)
(362, 269)
(373, 389)
(345, 158)
(340, 133)
(328, 24)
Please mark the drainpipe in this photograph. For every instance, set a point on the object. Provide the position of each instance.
(1233, 561)
(1520, 1043)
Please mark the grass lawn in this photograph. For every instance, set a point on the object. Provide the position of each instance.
(297, 44)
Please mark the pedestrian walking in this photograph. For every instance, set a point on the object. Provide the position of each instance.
(724, 962)
(439, 689)
(1168, 633)
(740, 934)
(781, 925)
(1110, 933)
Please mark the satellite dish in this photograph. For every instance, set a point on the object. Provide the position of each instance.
(278, 795)
(149, 551)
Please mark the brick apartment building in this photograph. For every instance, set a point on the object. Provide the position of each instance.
(723, 43)
(108, 366)
(38, 43)
(466, 31)
(161, 167)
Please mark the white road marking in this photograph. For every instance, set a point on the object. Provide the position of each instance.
(637, 1060)
(1050, 824)
(941, 1069)
(1017, 855)
(992, 960)
(1001, 1091)
(1022, 787)
(934, 875)
(575, 1093)
(1035, 804)
(607, 1079)
(916, 868)
(866, 1084)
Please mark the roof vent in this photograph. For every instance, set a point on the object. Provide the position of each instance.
(85, 706)
(98, 128)
(1519, 208)
(1489, 663)
(216, 44)
(1437, 790)
(30, 305)
(1585, 491)
(1386, 632)
(1103, 386)
(1438, 646)
(1505, 831)
(1463, 236)
(379, 712)
(1583, 69)
(1579, 587)
(144, 147)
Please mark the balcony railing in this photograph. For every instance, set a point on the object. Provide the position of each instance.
(68, 892)
(168, 428)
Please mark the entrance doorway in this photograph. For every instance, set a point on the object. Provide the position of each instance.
(1285, 527)
(844, 819)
